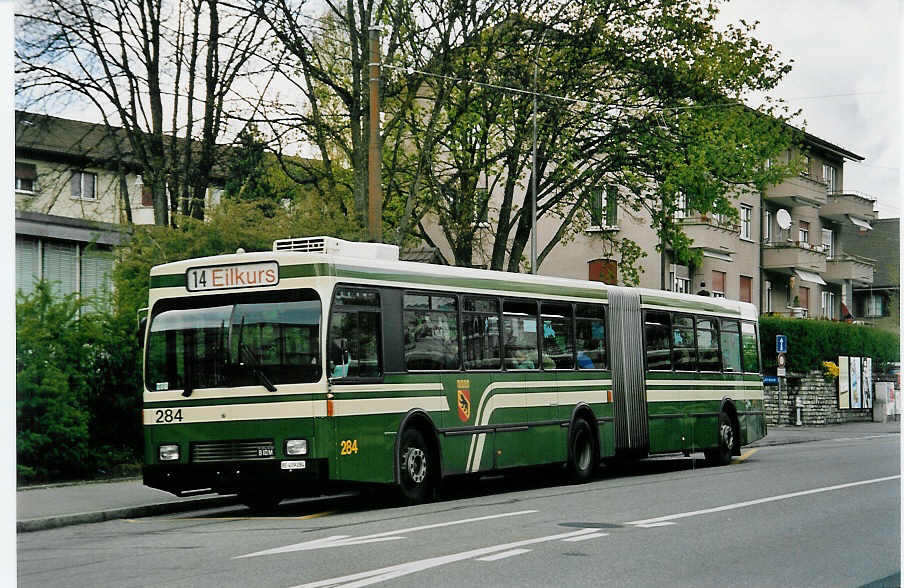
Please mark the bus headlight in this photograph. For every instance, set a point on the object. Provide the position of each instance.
(296, 447)
(169, 452)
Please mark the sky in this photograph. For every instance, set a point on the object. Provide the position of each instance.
(846, 78)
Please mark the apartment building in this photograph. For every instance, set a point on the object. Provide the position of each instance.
(787, 253)
(77, 192)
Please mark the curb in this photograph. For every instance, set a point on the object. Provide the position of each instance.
(129, 512)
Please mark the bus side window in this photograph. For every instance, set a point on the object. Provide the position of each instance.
(558, 349)
(684, 348)
(430, 330)
(708, 345)
(480, 333)
(519, 321)
(590, 336)
(656, 335)
(730, 342)
(750, 348)
(355, 342)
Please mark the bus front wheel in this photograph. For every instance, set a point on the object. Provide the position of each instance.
(583, 451)
(416, 467)
(722, 455)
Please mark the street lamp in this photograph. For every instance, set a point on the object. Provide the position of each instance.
(533, 174)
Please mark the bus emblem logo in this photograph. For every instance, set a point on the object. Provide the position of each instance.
(464, 404)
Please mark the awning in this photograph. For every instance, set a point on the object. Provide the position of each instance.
(809, 277)
(860, 223)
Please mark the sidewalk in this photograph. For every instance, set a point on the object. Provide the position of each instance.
(48, 507)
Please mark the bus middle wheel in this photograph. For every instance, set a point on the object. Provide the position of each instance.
(416, 467)
(583, 451)
(722, 455)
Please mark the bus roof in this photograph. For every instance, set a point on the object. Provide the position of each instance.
(450, 278)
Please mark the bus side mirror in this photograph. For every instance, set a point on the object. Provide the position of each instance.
(142, 327)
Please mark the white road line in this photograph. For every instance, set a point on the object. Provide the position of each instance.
(503, 555)
(586, 537)
(866, 437)
(396, 571)
(651, 525)
(684, 515)
(346, 540)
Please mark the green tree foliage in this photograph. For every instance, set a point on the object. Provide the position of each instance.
(77, 400)
(810, 342)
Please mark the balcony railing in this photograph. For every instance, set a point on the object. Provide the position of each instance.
(711, 232)
(794, 254)
(801, 190)
(839, 205)
(850, 267)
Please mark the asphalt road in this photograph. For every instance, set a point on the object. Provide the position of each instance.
(813, 514)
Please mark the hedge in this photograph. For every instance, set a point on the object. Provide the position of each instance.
(810, 342)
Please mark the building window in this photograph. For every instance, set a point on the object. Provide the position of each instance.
(804, 298)
(82, 185)
(604, 208)
(746, 289)
(827, 306)
(680, 206)
(806, 170)
(147, 197)
(828, 242)
(746, 221)
(718, 284)
(26, 174)
(680, 285)
(803, 232)
(828, 176)
(767, 226)
(875, 306)
(767, 296)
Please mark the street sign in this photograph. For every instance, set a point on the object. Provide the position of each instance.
(770, 380)
(780, 360)
(781, 344)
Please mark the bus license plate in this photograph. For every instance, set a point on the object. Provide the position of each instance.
(292, 465)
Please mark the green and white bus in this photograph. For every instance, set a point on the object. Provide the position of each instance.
(272, 374)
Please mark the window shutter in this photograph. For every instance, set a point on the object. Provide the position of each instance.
(26, 171)
(746, 288)
(596, 209)
(90, 181)
(60, 267)
(26, 264)
(75, 184)
(97, 265)
(718, 281)
(612, 206)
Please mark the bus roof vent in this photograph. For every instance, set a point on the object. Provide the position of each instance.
(333, 246)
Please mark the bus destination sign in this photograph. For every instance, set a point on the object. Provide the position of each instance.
(224, 277)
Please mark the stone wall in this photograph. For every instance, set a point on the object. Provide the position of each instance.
(819, 402)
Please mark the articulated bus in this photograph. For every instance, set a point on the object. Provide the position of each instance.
(273, 374)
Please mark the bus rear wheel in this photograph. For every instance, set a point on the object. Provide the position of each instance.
(584, 454)
(417, 469)
(722, 455)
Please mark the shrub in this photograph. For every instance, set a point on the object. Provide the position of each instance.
(811, 342)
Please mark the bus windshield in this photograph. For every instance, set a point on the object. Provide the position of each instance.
(229, 343)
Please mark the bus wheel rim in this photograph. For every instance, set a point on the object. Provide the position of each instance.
(416, 464)
(727, 436)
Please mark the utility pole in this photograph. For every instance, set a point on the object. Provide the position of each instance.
(374, 189)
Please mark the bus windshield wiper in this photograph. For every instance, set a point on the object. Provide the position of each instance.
(255, 366)
(251, 359)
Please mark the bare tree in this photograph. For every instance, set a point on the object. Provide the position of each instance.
(161, 70)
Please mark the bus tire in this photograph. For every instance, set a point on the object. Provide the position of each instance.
(583, 451)
(721, 456)
(260, 502)
(417, 469)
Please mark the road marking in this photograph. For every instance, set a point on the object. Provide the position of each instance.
(388, 573)
(747, 503)
(586, 537)
(651, 525)
(866, 437)
(503, 555)
(744, 456)
(346, 540)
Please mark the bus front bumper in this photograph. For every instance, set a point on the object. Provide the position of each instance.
(231, 477)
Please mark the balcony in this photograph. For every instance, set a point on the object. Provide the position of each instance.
(793, 255)
(841, 205)
(798, 190)
(711, 233)
(850, 267)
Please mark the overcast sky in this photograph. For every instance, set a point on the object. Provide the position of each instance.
(845, 79)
